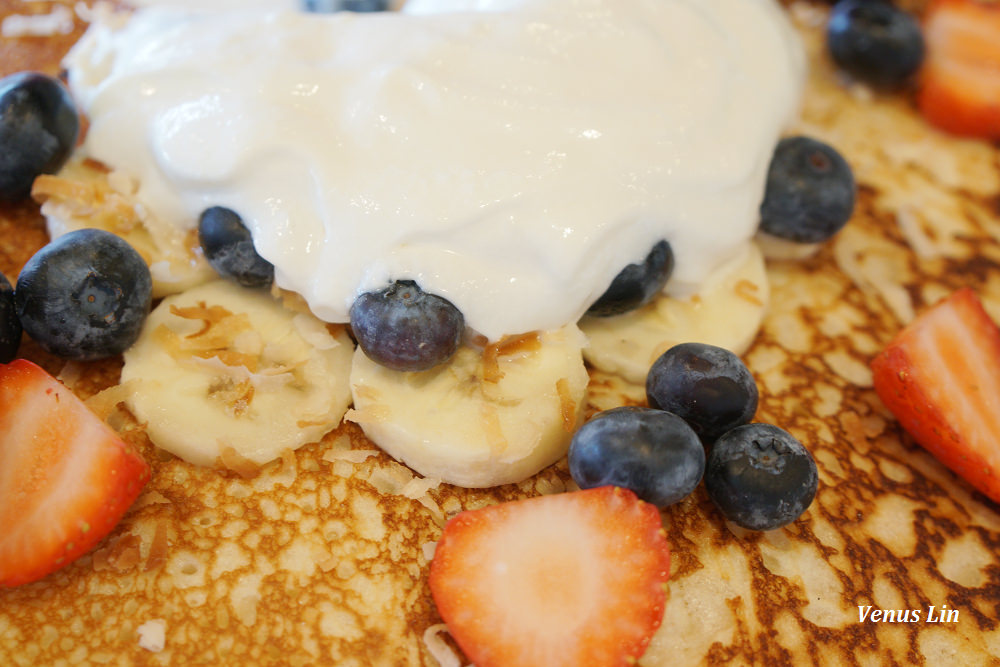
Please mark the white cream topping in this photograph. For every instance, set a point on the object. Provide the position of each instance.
(509, 155)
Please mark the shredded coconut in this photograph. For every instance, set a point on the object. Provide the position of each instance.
(350, 455)
(59, 22)
(152, 635)
(439, 648)
(314, 332)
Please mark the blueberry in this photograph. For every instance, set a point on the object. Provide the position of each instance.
(875, 42)
(10, 326)
(653, 453)
(228, 247)
(636, 284)
(38, 130)
(85, 295)
(707, 386)
(810, 191)
(328, 6)
(760, 477)
(406, 329)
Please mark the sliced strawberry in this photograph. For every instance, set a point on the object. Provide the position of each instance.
(570, 579)
(66, 478)
(940, 377)
(960, 80)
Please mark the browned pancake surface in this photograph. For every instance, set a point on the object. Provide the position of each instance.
(321, 558)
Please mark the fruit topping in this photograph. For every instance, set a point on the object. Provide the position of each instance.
(960, 81)
(10, 326)
(569, 579)
(329, 6)
(653, 453)
(760, 477)
(875, 42)
(85, 295)
(406, 329)
(229, 248)
(66, 478)
(940, 377)
(707, 386)
(810, 191)
(636, 284)
(38, 130)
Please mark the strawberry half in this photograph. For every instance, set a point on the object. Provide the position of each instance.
(940, 377)
(66, 478)
(569, 579)
(960, 80)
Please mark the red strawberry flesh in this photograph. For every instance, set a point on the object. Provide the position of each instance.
(66, 478)
(940, 377)
(569, 579)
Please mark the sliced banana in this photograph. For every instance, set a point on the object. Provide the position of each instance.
(728, 312)
(222, 374)
(86, 194)
(487, 417)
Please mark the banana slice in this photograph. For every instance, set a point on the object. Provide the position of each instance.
(487, 417)
(224, 374)
(85, 193)
(727, 312)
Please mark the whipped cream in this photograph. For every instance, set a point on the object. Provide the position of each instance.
(510, 155)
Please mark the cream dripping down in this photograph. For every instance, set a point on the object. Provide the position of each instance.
(510, 155)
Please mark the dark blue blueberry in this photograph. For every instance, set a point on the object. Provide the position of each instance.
(329, 6)
(760, 477)
(403, 328)
(709, 387)
(636, 284)
(38, 130)
(10, 326)
(810, 191)
(85, 295)
(228, 247)
(875, 42)
(651, 452)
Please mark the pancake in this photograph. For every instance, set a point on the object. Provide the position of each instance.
(322, 557)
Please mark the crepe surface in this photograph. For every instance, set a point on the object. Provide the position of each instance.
(322, 557)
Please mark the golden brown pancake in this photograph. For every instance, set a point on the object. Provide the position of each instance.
(321, 558)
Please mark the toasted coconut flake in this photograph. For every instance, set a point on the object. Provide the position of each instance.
(418, 487)
(209, 315)
(153, 635)
(230, 459)
(372, 414)
(158, 547)
(105, 402)
(367, 392)
(94, 199)
(567, 405)
(58, 22)
(350, 455)
(510, 345)
(220, 330)
(748, 291)
(96, 165)
(428, 549)
(390, 479)
(235, 397)
(314, 332)
(71, 373)
(291, 300)
(548, 487)
(439, 648)
(437, 514)
(120, 554)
